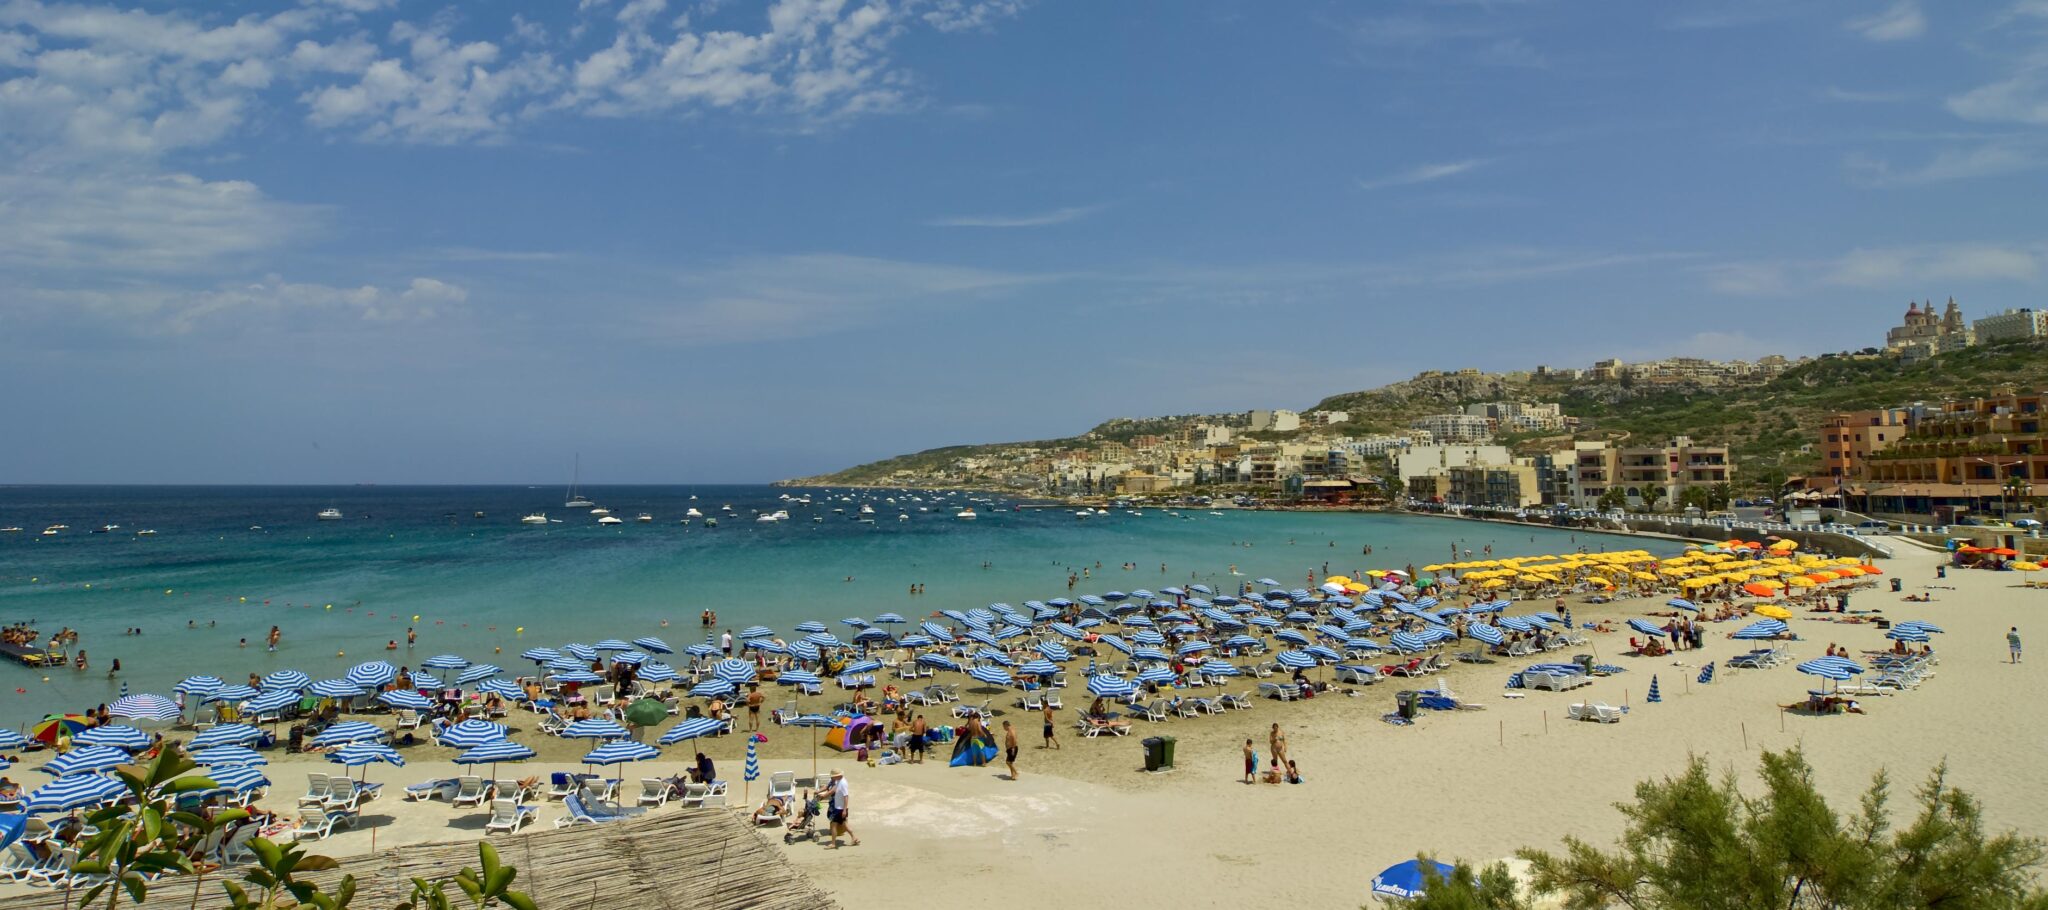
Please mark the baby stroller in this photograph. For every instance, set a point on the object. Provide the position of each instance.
(804, 825)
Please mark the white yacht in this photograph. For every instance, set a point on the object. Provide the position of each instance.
(967, 513)
(10, 530)
(537, 518)
(108, 529)
(611, 520)
(727, 508)
(866, 509)
(146, 532)
(903, 516)
(693, 513)
(777, 515)
(330, 514)
(711, 522)
(600, 510)
(50, 531)
(645, 517)
(576, 499)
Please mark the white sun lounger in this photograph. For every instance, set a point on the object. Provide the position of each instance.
(509, 816)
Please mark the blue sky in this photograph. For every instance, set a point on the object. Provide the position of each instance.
(394, 241)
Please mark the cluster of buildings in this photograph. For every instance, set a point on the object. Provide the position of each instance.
(1672, 371)
(1936, 461)
(1924, 333)
(1579, 475)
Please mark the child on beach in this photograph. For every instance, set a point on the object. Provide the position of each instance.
(1251, 763)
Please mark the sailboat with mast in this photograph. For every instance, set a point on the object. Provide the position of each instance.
(576, 498)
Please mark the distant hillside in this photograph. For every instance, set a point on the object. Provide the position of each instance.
(1769, 424)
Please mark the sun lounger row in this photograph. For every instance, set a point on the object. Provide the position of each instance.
(1595, 711)
(1555, 681)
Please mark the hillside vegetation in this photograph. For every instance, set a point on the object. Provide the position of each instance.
(1770, 425)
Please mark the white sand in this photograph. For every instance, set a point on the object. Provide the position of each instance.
(1085, 824)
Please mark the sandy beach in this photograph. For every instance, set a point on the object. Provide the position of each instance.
(1086, 823)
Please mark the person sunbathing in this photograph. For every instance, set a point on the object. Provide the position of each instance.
(772, 810)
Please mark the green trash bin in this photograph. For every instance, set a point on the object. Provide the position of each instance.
(1158, 753)
(1406, 703)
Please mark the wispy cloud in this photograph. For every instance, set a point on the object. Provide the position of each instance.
(1902, 21)
(1037, 219)
(1424, 173)
(1881, 267)
(771, 298)
(1991, 160)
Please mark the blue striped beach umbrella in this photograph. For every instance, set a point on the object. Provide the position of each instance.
(1299, 616)
(540, 655)
(1322, 652)
(1407, 642)
(691, 728)
(1202, 589)
(1646, 627)
(335, 688)
(734, 670)
(1219, 668)
(11, 739)
(229, 755)
(446, 662)
(757, 632)
(1295, 660)
(1548, 616)
(1485, 633)
(1242, 641)
(371, 674)
(1142, 622)
(1516, 623)
(753, 770)
(351, 731)
(1151, 654)
(1905, 633)
(810, 625)
(869, 636)
(362, 754)
(1707, 674)
(936, 631)
(1362, 644)
(855, 622)
(890, 618)
(612, 644)
(631, 658)
(1682, 604)
(707, 649)
(146, 707)
(762, 645)
(577, 650)
(1148, 637)
(226, 735)
(1193, 647)
(271, 700)
(1654, 695)
(405, 698)
(286, 679)
(425, 680)
(799, 678)
(653, 644)
(655, 671)
(713, 688)
(825, 640)
(594, 729)
(994, 656)
(86, 760)
(1291, 636)
(803, 650)
(1263, 621)
(1117, 642)
(119, 736)
(812, 720)
(1762, 628)
(1834, 668)
(618, 753)
(1011, 631)
(74, 792)
(937, 661)
(494, 752)
(199, 686)
(862, 666)
(237, 778)
(1917, 624)
(231, 694)
(1039, 667)
(1155, 675)
(1106, 686)
(471, 732)
(478, 673)
(1054, 651)
(1067, 630)
(992, 675)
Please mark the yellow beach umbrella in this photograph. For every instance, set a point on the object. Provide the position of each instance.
(1773, 611)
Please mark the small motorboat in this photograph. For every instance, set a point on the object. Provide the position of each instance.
(611, 520)
(146, 532)
(537, 518)
(330, 514)
(966, 514)
(645, 518)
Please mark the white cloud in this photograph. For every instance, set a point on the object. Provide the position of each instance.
(806, 295)
(2020, 99)
(1886, 268)
(1901, 21)
(1748, 279)
(269, 302)
(1948, 164)
(1853, 96)
(1425, 173)
(125, 224)
(974, 15)
(1040, 219)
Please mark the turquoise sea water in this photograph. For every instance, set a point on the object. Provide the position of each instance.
(340, 590)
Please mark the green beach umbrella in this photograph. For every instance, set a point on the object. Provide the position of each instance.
(646, 712)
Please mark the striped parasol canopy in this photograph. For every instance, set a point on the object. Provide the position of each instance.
(581, 677)
(358, 754)
(861, 666)
(803, 650)
(655, 671)
(891, 618)
(201, 686)
(237, 778)
(270, 700)
(405, 698)
(540, 655)
(734, 670)
(799, 678)
(1906, 633)
(917, 641)
(937, 661)
(145, 707)
(293, 680)
(475, 674)
(579, 651)
(447, 662)
(1219, 668)
(1485, 633)
(612, 644)
(1646, 627)
(992, 675)
(1040, 667)
(713, 688)
(1407, 642)
(470, 733)
(1655, 696)
(371, 674)
(335, 688)
(1761, 629)
(1834, 668)
(347, 732)
(620, 752)
(1682, 604)
(691, 728)
(87, 760)
(810, 625)
(1106, 686)
(119, 736)
(1158, 675)
(594, 729)
(653, 645)
(1054, 651)
(757, 632)
(1706, 674)
(1297, 660)
(494, 752)
(74, 792)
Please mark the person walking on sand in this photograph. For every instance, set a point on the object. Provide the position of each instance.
(841, 796)
(1277, 741)
(1052, 738)
(2012, 643)
(754, 702)
(1251, 763)
(917, 734)
(1010, 748)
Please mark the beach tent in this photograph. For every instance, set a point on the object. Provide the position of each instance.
(845, 736)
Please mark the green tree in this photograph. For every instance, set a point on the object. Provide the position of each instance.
(1719, 496)
(1693, 842)
(1651, 497)
(1614, 498)
(1694, 498)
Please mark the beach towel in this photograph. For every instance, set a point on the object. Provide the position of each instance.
(976, 752)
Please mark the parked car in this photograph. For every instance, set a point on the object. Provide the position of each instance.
(1879, 525)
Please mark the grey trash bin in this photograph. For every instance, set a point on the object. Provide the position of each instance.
(1158, 753)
